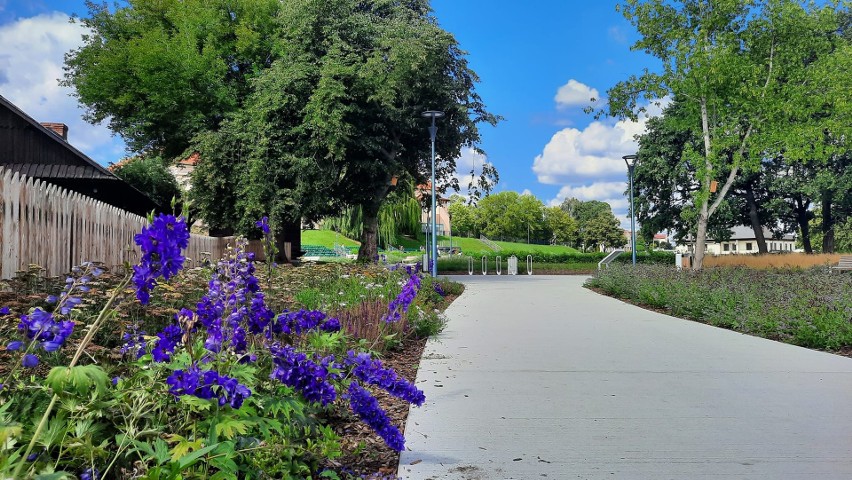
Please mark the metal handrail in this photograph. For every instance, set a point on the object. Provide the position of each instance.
(609, 258)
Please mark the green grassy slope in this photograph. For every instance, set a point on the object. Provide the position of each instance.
(326, 238)
(469, 246)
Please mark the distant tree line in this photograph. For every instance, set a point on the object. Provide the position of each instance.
(509, 216)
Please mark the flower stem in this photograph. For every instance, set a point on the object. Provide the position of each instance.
(80, 348)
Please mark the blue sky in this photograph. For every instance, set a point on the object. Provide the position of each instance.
(539, 62)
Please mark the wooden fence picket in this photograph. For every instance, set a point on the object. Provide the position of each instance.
(46, 225)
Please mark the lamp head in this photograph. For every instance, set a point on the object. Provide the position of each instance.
(433, 114)
(630, 160)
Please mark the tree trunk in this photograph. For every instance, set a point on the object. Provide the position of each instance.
(700, 239)
(827, 224)
(369, 249)
(755, 219)
(288, 241)
(805, 227)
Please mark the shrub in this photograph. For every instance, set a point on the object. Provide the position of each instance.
(811, 308)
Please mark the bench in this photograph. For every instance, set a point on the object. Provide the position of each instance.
(844, 264)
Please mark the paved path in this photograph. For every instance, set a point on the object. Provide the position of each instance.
(537, 377)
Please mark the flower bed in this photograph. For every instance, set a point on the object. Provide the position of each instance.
(213, 372)
(807, 307)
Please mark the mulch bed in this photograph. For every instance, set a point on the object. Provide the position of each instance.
(364, 452)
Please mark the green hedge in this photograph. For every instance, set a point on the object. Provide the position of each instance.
(656, 257)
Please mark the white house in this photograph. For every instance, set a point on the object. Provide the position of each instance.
(742, 241)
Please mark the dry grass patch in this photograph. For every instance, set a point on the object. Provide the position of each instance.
(785, 260)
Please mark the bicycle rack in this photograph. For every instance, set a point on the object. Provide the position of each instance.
(529, 264)
(498, 264)
(484, 265)
(513, 265)
(470, 265)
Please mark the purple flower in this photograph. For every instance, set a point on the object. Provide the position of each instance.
(41, 327)
(296, 323)
(134, 342)
(14, 345)
(90, 474)
(32, 457)
(169, 338)
(370, 371)
(368, 410)
(294, 369)
(161, 244)
(400, 304)
(439, 290)
(115, 380)
(263, 225)
(207, 384)
(4, 311)
(29, 361)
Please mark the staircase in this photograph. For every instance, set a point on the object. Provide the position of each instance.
(490, 244)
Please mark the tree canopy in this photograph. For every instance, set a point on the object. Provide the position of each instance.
(299, 108)
(751, 77)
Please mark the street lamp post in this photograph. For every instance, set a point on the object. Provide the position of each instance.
(433, 131)
(630, 160)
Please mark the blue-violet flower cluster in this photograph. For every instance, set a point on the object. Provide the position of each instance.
(296, 323)
(400, 304)
(207, 384)
(368, 370)
(296, 370)
(368, 410)
(162, 243)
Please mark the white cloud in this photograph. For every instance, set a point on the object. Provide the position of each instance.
(617, 35)
(587, 163)
(31, 57)
(594, 191)
(594, 153)
(527, 191)
(575, 94)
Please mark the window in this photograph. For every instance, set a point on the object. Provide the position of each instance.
(734, 247)
(727, 247)
(748, 246)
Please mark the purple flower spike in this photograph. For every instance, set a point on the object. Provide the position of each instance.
(29, 361)
(368, 409)
(162, 243)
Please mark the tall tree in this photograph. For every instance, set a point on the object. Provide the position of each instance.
(464, 218)
(342, 105)
(725, 61)
(161, 72)
(596, 226)
(560, 226)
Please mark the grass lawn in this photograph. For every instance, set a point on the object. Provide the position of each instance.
(326, 238)
(469, 246)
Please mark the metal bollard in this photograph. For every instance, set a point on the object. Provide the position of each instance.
(529, 264)
(513, 265)
(470, 265)
(498, 264)
(484, 265)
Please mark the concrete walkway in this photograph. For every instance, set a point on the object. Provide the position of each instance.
(537, 377)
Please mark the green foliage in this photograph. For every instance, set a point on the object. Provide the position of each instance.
(162, 72)
(750, 78)
(151, 176)
(756, 302)
(596, 226)
(398, 215)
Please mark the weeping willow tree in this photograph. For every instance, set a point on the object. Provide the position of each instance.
(398, 214)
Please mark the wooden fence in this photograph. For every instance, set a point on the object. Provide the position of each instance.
(49, 226)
